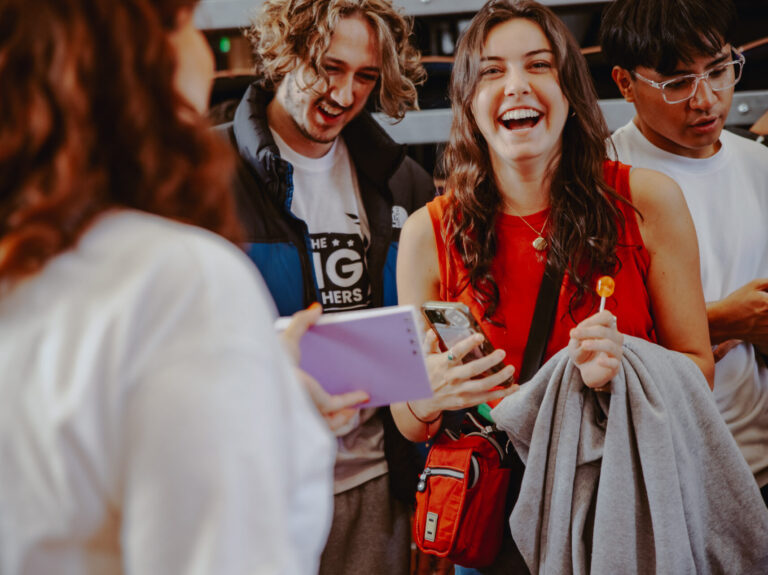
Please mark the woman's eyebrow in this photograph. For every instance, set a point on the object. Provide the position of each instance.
(527, 55)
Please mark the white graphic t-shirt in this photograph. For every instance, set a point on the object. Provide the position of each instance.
(727, 195)
(327, 197)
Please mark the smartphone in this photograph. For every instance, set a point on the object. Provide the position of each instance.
(453, 322)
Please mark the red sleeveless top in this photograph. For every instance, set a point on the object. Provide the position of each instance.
(518, 270)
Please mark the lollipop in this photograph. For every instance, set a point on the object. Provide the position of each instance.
(605, 286)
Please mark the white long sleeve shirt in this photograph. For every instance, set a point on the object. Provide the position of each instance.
(150, 423)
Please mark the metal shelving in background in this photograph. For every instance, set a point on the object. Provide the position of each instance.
(221, 19)
(223, 14)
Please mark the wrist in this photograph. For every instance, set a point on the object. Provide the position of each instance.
(725, 322)
(426, 416)
(716, 320)
(429, 424)
(423, 414)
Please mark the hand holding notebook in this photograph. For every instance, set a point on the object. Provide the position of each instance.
(377, 351)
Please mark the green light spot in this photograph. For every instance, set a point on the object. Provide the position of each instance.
(224, 45)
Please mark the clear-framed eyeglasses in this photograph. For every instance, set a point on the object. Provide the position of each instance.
(682, 88)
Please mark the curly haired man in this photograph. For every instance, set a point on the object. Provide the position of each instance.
(323, 193)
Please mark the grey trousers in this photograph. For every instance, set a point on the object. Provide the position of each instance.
(370, 533)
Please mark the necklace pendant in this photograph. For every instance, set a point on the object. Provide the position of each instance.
(540, 244)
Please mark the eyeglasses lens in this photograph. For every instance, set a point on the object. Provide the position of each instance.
(720, 78)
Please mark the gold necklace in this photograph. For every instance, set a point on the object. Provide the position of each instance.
(540, 243)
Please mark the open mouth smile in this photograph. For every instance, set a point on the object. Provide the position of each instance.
(520, 118)
(328, 111)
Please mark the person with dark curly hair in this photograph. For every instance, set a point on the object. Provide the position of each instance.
(150, 421)
(528, 181)
(323, 193)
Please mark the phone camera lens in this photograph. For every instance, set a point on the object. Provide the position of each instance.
(435, 316)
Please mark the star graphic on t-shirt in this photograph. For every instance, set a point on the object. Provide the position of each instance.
(335, 243)
(350, 243)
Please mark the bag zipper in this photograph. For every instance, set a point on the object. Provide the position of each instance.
(422, 485)
(484, 431)
(445, 472)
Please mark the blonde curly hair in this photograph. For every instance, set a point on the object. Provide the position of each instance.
(288, 33)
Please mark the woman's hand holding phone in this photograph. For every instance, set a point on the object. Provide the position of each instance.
(452, 380)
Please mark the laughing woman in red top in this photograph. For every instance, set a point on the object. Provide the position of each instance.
(528, 180)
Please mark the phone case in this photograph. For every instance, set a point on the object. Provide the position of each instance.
(453, 322)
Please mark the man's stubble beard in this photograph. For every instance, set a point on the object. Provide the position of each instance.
(295, 112)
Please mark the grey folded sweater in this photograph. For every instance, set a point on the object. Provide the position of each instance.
(646, 479)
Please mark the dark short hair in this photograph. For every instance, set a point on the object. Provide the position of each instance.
(660, 33)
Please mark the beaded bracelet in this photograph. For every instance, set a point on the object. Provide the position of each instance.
(426, 423)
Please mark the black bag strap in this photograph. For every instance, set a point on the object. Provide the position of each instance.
(541, 325)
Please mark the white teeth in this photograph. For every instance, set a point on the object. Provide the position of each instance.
(519, 114)
(330, 112)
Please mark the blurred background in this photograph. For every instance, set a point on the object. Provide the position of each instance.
(438, 24)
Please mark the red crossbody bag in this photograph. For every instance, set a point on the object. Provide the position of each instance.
(462, 492)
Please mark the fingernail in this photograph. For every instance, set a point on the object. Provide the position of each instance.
(314, 305)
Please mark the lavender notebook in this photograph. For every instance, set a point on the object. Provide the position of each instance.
(376, 350)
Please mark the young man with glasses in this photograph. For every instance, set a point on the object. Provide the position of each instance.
(673, 60)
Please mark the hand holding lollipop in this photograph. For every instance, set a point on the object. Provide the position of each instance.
(595, 350)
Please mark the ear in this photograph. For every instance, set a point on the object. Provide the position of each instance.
(624, 81)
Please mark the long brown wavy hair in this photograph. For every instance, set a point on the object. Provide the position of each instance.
(584, 222)
(288, 33)
(90, 120)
